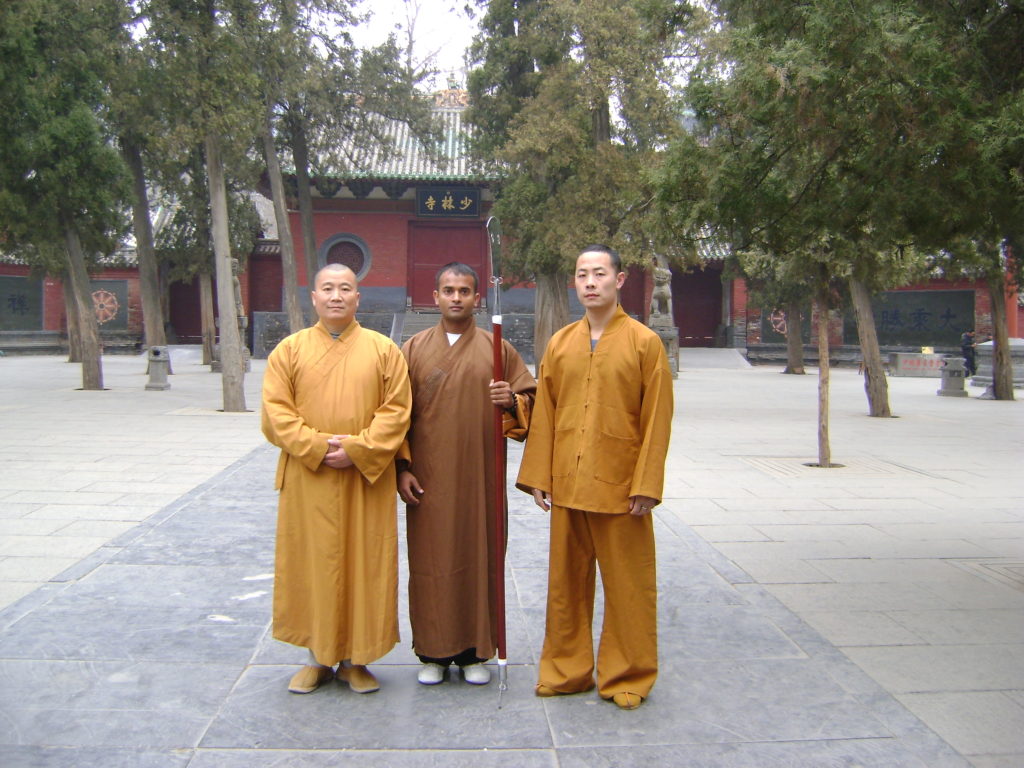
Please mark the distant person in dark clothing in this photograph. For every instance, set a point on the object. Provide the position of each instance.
(967, 346)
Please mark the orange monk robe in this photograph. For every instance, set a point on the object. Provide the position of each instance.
(451, 531)
(599, 435)
(336, 575)
(601, 426)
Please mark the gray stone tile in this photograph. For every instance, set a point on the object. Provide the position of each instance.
(24, 526)
(861, 628)
(10, 510)
(95, 685)
(13, 591)
(998, 761)
(142, 730)
(33, 568)
(81, 757)
(720, 632)
(74, 629)
(358, 758)
(214, 589)
(921, 669)
(974, 723)
(963, 627)
(49, 546)
(719, 702)
(854, 753)
(72, 511)
(691, 580)
(260, 713)
(856, 597)
(783, 571)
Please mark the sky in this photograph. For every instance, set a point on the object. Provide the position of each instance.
(442, 32)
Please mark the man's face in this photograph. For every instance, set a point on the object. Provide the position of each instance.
(456, 296)
(335, 297)
(597, 283)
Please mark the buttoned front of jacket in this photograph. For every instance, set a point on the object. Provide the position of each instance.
(602, 420)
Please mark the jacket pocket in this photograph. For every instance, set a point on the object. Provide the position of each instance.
(616, 459)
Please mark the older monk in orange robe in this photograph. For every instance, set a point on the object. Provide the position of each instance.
(448, 481)
(336, 401)
(595, 457)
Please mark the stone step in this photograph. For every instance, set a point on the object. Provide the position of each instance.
(415, 321)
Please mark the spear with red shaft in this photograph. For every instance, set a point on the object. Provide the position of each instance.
(494, 252)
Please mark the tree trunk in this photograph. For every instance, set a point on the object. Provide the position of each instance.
(207, 323)
(794, 341)
(300, 153)
(875, 384)
(89, 329)
(296, 322)
(71, 313)
(551, 311)
(231, 359)
(601, 123)
(1002, 366)
(824, 449)
(149, 273)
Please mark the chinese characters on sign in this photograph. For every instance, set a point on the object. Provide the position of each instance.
(917, 318)
(458, 202)
(21, 304)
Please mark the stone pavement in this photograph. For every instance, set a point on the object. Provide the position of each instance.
(869, 615)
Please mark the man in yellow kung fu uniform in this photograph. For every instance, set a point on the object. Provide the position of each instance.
(595, 458)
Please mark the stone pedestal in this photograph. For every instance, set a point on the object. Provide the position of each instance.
(216, 367)
(159, 367)
(983, 357)
(670, 338)
(953, 377)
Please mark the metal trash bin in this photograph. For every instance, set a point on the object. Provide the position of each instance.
(159, 367)
(953, 376)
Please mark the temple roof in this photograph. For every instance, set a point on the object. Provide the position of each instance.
(410, 160)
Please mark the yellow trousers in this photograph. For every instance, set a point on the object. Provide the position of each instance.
(623, 547)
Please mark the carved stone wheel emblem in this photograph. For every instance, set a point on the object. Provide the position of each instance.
(778, 321)
(106, 306)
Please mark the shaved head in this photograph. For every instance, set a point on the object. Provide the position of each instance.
(335, 268)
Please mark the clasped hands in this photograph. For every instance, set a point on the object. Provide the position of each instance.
(336, 457)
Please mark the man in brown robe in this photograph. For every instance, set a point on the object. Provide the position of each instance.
(448, 479)
(596, 457)
(336, 401)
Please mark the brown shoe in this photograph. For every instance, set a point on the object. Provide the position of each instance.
(546, 691)
(359, 678)
(309, 678)
(628, 700)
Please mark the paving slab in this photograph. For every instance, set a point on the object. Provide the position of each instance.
(806, 617)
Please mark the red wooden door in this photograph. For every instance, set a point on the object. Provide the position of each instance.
(434, 244)
(697, 306)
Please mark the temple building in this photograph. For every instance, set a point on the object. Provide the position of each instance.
(410, 211)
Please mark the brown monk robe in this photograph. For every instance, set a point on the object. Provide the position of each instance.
(595, 457)
(336, 574)
(451, 535)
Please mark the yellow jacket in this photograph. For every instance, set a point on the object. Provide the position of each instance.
(601, 423)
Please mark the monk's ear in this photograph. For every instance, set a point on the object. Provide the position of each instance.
(437, 303)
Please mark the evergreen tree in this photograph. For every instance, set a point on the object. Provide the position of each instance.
(61, 181)
(571, 100)
(818, 119)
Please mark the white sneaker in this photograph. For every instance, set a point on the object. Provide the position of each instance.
(431, 674)
(476, 674)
